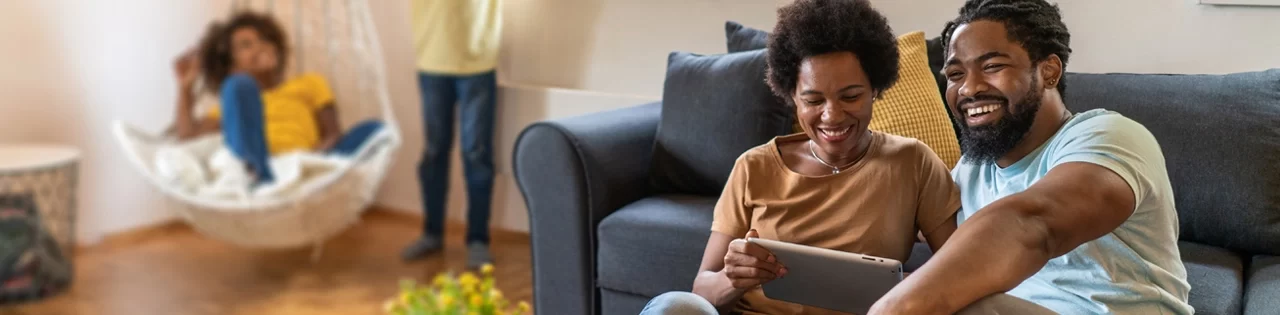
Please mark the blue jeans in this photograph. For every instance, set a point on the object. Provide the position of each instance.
(685, 303)
(243, 127)
(475, 97)
(679, 303)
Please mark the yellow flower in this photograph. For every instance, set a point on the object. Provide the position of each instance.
(495, 294)
(446, 300)
(440, 280)
(523, 307)
(390, 306)
(487, 269)
(468, 279)
(476, 301)
(405, 297)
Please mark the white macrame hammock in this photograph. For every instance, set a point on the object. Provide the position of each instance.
(336, 38)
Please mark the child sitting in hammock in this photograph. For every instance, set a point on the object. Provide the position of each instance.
(261, 111)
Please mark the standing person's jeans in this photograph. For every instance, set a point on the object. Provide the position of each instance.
(243, 127)
(474, 97)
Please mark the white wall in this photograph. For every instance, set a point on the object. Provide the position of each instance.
(1140, 36)
(70, 68)
(568, 57)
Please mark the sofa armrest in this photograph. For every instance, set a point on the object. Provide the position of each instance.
(573, 172)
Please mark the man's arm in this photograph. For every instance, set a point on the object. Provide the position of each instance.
(941, 234)
(1012, 238)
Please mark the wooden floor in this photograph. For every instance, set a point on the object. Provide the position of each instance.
(173, 270)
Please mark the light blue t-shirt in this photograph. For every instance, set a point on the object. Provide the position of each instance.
(1135, 269)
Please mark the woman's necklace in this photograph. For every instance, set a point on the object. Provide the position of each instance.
(834, 169)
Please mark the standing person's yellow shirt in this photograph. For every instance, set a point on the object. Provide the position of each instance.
(289, 112)
(458, 37)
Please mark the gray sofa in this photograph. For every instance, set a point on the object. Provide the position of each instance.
(606, 239)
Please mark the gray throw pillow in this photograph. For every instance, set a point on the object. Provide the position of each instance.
(714, 108)
(741, 38)
(1221, 140)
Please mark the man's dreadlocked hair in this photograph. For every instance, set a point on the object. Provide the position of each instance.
(1035, 24)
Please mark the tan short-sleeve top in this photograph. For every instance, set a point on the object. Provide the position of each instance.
(874, 207)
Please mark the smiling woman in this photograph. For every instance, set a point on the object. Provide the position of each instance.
(830, 60)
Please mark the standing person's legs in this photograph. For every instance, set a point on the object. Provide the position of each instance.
(243, 128)
(438, 101)
(477, 100)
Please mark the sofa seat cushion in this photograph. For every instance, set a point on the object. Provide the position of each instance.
(1216, 276)
(653, 245)
(1262, 291)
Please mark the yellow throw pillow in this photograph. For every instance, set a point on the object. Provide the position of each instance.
(912, 107)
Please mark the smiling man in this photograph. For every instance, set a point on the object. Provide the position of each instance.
(1071, 212)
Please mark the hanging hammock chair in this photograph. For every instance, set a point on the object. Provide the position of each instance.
(337, 39)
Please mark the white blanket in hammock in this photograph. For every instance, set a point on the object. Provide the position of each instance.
(206, 169)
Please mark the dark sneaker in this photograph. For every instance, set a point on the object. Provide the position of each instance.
(422, 248)
(478, 255)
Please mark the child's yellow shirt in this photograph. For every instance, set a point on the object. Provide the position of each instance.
(289, 112)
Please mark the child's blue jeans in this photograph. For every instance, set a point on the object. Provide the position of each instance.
(243, 127)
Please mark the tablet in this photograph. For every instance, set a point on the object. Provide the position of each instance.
(830, 279)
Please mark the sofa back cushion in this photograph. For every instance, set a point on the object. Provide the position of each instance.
(714, 108)
(1221, 140)
(739, 38)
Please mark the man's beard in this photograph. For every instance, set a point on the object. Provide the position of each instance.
(986, 144)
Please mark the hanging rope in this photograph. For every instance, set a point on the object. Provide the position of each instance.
(379, 71)
(330, 44)
(358, 69)
(298, 34)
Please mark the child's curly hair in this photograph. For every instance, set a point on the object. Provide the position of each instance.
(215, 48)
